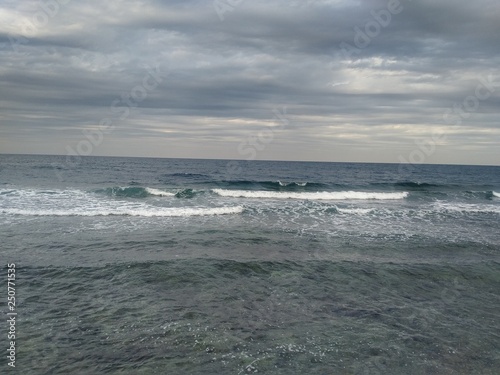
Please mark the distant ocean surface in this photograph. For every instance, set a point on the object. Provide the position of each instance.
(175, 266)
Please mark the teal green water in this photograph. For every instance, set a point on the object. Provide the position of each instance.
(227, 317)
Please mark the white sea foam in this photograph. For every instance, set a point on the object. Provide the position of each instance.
(324, 195)
(292, 183)
(495, 194)
(40, 193)
(468, 207)
(355, 211)
(159, 193)
(143, 211)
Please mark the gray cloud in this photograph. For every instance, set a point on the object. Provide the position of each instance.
(63, 66)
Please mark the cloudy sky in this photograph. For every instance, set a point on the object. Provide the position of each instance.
(326, 80)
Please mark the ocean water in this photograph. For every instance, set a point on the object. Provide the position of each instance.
(172, 266)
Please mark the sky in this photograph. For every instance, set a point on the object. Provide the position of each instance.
(319, 80)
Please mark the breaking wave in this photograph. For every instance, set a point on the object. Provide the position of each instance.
(336, 195)
(272, 185)
(134, 192)
(143, 212)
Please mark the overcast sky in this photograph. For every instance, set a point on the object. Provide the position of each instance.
(326, 80)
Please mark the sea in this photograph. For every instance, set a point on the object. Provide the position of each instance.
(183, 266)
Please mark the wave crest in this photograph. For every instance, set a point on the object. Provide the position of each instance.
(186, 193)
(143, 212)
(134, 192)
(325, 195)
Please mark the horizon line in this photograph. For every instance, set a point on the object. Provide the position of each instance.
(257, 160)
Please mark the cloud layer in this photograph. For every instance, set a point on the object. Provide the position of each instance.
(325, 80)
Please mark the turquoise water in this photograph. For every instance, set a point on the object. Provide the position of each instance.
(169, 266)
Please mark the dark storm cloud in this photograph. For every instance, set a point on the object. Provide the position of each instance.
(63, 64)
